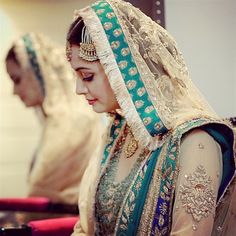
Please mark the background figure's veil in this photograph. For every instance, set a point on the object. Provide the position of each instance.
(70, 127)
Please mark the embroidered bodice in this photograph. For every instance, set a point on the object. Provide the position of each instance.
(110, 192)
(110, 195)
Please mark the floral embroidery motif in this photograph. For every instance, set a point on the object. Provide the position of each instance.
(141, 91)
(139, 104)
(131, 84)
(157, 126)
(100, 11)
(107, 25)
(147, 121)
(125, 52)
(149, 109)
(122, 65)
(197, 195)
(133, 71)
(115, 44)
(117, 32)
(110, 15)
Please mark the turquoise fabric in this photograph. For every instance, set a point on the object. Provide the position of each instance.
(33, 60)
(128, 69)
(142, 194)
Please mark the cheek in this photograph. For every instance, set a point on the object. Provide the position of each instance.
(109, 91)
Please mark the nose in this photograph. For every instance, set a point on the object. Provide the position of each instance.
(81, 89)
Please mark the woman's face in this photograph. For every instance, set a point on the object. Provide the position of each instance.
(93, 83)
(26, 86)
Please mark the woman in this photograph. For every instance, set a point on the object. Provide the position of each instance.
(168, 159)
(43, 79)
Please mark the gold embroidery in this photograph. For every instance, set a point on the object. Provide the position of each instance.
(132, 146)
(115, 44)
(141, 91)
(200, 146)
(157, 126)
(149, 109)
(133, 71)
(131, 84)
(117, 32)
(110, 15)
(139, 104)
(147, 121)
(123, 64)
(100, 11)
(197, 195)
(145, 227)
(107, 25)
(125, 52)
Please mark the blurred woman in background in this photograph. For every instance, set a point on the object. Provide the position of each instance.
(43, 79)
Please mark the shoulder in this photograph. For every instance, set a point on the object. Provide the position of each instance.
(197, 136)
(199, 145)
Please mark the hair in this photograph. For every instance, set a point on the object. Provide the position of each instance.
(11, 55)
(75, 31)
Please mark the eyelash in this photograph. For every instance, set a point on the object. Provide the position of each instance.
(88, 79)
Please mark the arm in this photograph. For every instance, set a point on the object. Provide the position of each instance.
(197, 185)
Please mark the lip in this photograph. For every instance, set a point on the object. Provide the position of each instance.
(91, 101)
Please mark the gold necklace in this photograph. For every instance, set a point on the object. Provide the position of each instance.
(132, 145)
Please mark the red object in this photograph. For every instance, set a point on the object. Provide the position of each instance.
(53, 227)
(24, 204)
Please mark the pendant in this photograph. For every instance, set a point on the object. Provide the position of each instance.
(131, 147)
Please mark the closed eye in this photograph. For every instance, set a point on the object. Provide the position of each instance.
(88, 79)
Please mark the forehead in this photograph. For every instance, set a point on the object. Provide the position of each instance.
(76, 61)
(82, 66)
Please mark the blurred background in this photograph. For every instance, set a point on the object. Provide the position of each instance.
(204, 29)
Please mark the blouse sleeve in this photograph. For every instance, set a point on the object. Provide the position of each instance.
(197, 185)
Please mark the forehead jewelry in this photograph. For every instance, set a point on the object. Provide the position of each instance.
(87, 49)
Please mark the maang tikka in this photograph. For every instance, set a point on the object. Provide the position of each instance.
(87, 50)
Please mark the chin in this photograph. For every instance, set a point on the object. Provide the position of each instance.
(99, 109)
